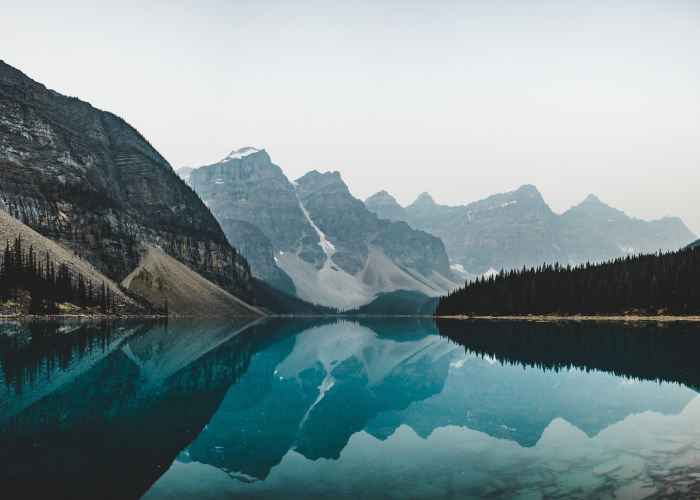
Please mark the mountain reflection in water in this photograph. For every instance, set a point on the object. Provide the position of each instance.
(373, 408)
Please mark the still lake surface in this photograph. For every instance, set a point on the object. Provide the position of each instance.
(368, 408)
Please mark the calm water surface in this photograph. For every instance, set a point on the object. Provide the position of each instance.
(314, 408)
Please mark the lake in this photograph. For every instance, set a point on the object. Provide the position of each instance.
(395, 408)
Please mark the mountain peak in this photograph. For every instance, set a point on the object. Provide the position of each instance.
(381, 197)
(424, 198)
(592, 197)
(240, 153)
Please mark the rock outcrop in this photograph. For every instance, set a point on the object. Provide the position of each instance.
(336, 252)
(88, 179)
(516, 229)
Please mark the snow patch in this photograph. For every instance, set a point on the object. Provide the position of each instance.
(240, 154)
(459, 268)
(490, 272)
(509, 203)
(326, 245)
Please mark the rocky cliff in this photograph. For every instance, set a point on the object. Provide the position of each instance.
(257, 249)
(88, 179)
(516, 229)
(336, 252)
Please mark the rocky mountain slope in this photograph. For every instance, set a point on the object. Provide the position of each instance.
(516, 229)
(163, 281)
(335, 251)
(88, 179)
(11, 228)
(257, 248)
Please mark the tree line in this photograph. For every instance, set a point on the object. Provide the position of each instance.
(48, 284)
(648, 284)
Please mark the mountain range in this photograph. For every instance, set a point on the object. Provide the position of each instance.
(89, 182)
(323, 240)
(516, 229)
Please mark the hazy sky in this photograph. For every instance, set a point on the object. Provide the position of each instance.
(460, 99)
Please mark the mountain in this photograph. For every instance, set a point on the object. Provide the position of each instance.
(336, 252)
(398, 303)
(516, 229)
(252, 244)
(165, 282)
(386, 207)
(91, 181)
(184, 172)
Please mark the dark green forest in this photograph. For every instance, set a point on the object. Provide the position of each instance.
(47, 284)
(650, 284)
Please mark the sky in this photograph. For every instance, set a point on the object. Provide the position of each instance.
(462, 99)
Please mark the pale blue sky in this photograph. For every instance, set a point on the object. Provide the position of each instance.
(461, 99)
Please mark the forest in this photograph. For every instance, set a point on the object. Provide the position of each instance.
(649, 284)
(47, 284)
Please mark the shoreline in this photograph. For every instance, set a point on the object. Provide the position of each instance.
(578, 318)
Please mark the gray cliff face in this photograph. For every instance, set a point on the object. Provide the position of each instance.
(253, 189)
(363, 255)
(386, 207)
(88, 179)
(351, 228)
(257, 249)
(516, 229)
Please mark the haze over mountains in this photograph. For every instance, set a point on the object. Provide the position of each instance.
(333, 249)
(89, 181)
(515, 229)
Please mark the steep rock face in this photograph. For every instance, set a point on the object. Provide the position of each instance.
(386, 207)
(501, 231)
(257, 249)
(516, 229)
(352, 229)
(336, 252)
(253, 189)
(88, 179)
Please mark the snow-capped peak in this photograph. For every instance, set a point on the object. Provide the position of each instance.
(240, 154)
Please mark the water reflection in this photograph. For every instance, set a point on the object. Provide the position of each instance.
(312, 408)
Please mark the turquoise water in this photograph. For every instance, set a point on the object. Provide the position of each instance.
(314, 408)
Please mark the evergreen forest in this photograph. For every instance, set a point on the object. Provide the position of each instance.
(649, 284)
(23, 271)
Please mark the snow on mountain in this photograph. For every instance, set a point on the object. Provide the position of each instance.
(240, 154)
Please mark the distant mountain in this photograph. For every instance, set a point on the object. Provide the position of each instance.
(184, 172)
(335, 251)
(516, 229)
(386, 207)
(398, 303)
(88, 179)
